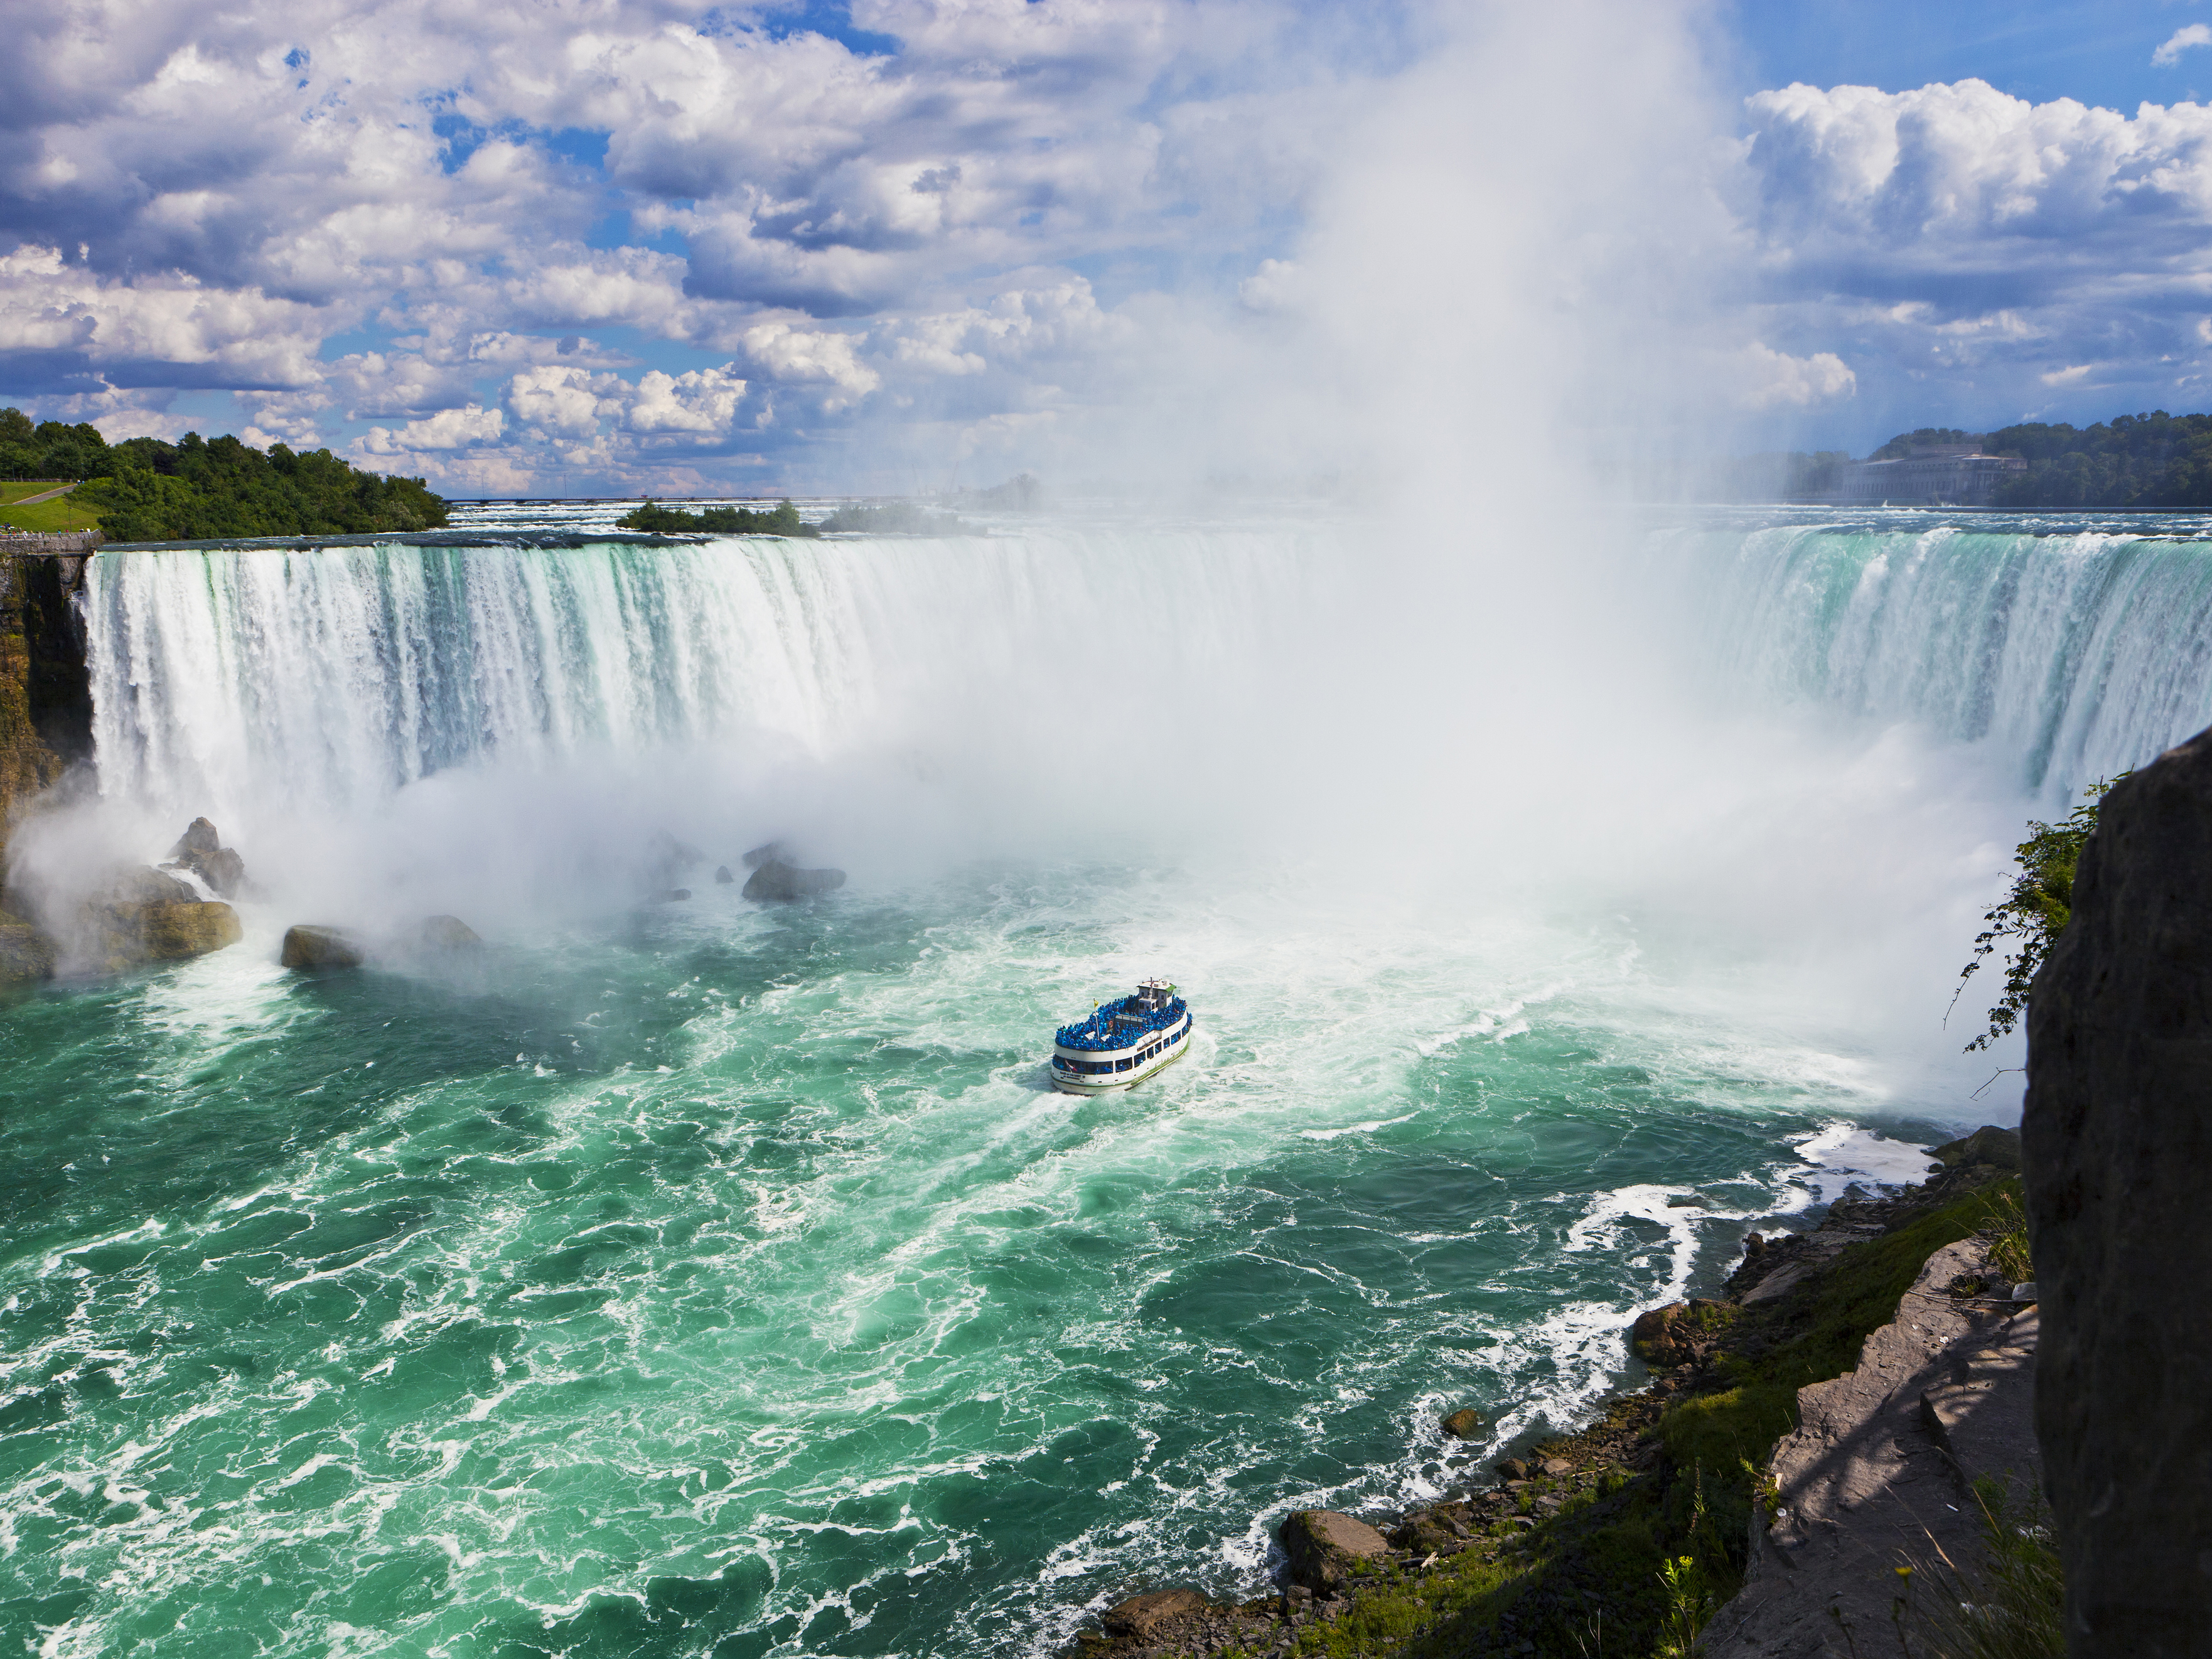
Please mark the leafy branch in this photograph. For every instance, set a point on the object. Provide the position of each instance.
(2029, 919)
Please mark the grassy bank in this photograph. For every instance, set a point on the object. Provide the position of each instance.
(62, 512)
(1623, 1539)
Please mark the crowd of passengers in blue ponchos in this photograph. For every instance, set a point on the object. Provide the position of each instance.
(1119, 1025)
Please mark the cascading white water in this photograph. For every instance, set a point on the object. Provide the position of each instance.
(340, 675)
(2072, 655)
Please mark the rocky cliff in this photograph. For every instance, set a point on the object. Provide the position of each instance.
(45, 695)
(2118, 1141)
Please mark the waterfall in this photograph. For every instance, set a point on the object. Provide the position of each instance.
(2074, 656)
(338, 676)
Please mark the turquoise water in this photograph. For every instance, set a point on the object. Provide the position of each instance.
(731, 1282)
(697, 1279)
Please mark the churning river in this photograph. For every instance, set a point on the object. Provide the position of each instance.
(700, 1277)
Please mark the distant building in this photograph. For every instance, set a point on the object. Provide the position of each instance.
(1939, 474)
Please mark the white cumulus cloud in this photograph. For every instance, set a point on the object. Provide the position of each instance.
(2189, 34)
(1773, 380)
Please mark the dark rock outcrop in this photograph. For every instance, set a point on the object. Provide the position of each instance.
(1322, 1545)
(26, 956)
(1464, 1424)
(762, 854)
(46, 691)
(2117, 1137)
(310, 946)
(722, 876)
(201, 851)
(1989, 1147)
(776, 882)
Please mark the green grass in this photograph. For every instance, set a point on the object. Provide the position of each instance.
(15, 491)
(45, 517)
(1633, 1566)
(2010, 1604)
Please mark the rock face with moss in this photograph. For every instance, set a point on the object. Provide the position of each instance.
(45, 694)
(2117, 1135)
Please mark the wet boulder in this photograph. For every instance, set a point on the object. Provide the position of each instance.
(1464, 1424)
(722, 876)
(201, 851)
(198, 840)
(176, 933)
(311, 946)
(142, 884)
(141, 915)
(1324, 1547)
(775, 881)
(444, 934)
(762, 854)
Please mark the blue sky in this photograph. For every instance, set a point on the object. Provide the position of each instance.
(2097, 53)
(900, 244)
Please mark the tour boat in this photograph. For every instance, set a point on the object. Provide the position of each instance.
(1124, 1042)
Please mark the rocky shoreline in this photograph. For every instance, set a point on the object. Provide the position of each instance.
(1564, 1549)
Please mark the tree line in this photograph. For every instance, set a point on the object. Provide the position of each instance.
(145, 489)
(2154, 462)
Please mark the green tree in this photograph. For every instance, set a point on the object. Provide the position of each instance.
(782, 521)
(2029, 919)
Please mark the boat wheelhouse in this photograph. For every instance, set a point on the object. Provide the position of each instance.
(1124, 1042)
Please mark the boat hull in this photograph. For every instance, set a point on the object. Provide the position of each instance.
(1106, 1085)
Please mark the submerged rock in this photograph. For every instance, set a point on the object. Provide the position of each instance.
(1322, 1545)
(776, 882)
(311, 945)
(672, 896)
